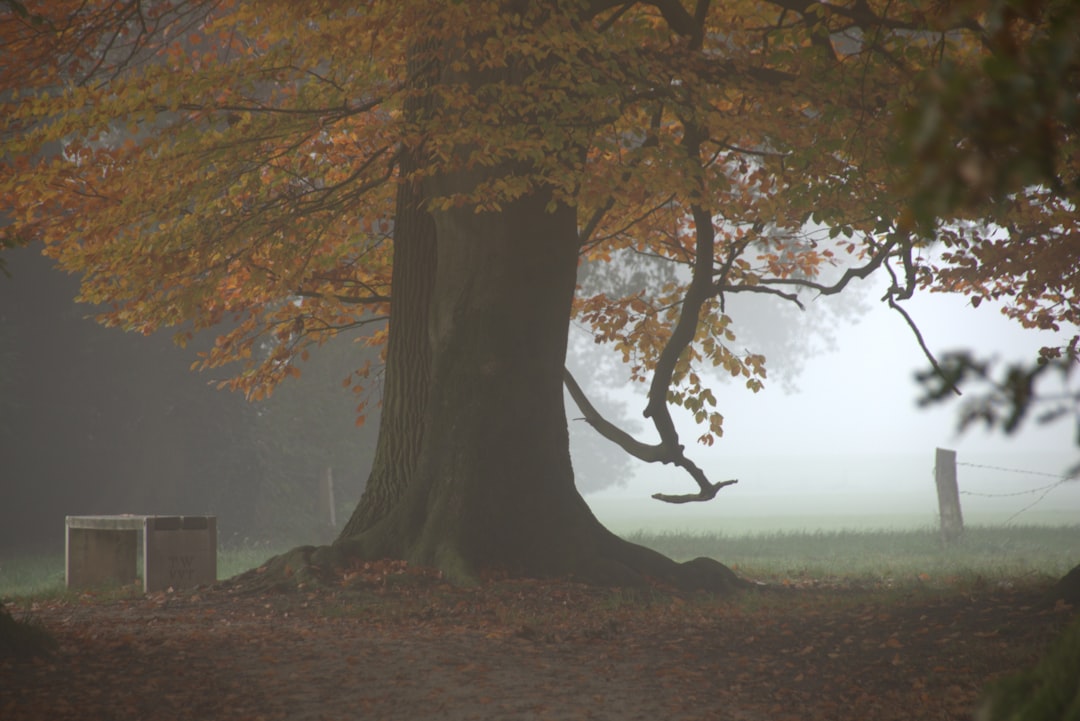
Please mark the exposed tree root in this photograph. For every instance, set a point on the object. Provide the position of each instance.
(612, 562)
(286, 572)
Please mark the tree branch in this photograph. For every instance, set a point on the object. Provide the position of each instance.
(722, 288)
(651, 141)
(678, 19)
(606, 25)
(863, 16)
(714, 488)
(643, 451)
(698, 292)
(904, 293)
(849, 275)
(663, 452)
(896, 291)
(347, 299)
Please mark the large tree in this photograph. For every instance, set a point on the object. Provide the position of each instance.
(305, 168)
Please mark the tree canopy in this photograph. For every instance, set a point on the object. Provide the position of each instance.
(266, 164)
(990, 139)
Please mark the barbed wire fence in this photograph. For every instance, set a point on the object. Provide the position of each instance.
(1043, 491)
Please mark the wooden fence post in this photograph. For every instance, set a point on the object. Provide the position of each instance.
(948, 494)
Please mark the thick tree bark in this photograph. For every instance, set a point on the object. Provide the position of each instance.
(495, 483)
(408, 354)
(408, 362)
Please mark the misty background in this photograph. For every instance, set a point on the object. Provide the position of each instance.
(836, 438)
(97, 421)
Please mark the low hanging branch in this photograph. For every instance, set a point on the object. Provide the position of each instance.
(700, 290)
(697, 294)
(662, 452)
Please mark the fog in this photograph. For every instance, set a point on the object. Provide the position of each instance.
(844, 444)
(96, 421)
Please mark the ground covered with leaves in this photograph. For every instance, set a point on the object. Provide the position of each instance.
(387, 642)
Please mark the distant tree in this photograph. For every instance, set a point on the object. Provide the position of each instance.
(308, 426)
(141, 433)
(9, 380)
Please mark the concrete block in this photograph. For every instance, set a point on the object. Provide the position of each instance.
(179, 552)
(101, 557)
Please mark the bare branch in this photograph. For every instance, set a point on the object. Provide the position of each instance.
(714, 488)
(348, 299)
(894, 292)
(649, 453)
(586, 241)
(849, 275)
(652, 140)
(863, 16)
(748, 151)
(922, 344)
(725, 270)
(594, 221)
(336, 112)
(663, 452)
(613, 18)
(726, 288)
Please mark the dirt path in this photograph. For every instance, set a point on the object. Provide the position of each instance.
(402, 647)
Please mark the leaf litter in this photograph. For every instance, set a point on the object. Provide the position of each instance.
(386, 641)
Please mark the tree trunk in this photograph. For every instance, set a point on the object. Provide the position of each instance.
(408, 362)
(408, 353)
(493, 489)
(495, 486)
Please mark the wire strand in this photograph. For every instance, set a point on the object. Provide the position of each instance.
(1020, 470)
(1042, 490)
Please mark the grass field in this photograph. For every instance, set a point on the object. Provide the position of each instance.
(902, 556)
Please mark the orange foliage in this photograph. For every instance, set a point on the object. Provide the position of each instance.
(206, 163)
